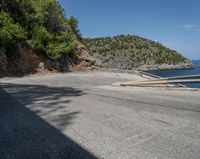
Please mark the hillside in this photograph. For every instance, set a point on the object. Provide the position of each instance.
(133, 52)
(36, 34)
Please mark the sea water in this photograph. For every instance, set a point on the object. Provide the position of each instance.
(172, 73)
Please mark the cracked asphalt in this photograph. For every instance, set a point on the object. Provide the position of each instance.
(80, 115)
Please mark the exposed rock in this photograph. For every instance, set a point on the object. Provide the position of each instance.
(84, 59)
(123, 64)
(90, 60)
(41, 66)
(28, 61)
(183, 65)
(64, 64)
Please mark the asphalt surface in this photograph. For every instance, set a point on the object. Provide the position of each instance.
(80, 115)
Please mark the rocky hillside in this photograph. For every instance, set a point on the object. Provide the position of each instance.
(37, 35)
(133, 52)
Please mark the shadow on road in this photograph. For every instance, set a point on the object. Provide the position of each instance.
(48, 102)
(24, 135)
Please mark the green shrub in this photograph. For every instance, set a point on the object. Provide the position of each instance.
(56, 50)
(43, 22)
(11, 33)
(61, 44)
(53, 45)
(41, 38)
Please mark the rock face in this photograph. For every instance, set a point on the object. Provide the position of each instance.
(127, 64)
(27, 61)
(123, 64)
(64, 64)
(182, 65)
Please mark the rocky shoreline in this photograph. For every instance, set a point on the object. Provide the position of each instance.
(124, 65)
(183, 65)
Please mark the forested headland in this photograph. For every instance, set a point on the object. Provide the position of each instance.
(134, 52)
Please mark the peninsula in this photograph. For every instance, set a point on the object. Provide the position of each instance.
(134, 53)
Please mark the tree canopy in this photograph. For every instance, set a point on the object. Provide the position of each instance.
(41, 22)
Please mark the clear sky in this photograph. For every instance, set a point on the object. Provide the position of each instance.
(174, 23)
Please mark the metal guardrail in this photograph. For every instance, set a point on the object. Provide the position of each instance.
(149, 74)
(168, 80)
(175, 77)
(184, 77)
(158, 77)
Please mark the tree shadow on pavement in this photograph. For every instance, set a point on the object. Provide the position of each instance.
(25, 135)
(48, 102)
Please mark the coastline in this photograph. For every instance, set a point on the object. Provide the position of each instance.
(128, 65)
(162, 67)
(94, 63)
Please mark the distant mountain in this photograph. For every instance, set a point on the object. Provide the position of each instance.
(134, 52)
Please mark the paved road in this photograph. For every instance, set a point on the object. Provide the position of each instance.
(80, 115)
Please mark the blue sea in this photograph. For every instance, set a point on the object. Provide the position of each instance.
(171, 73)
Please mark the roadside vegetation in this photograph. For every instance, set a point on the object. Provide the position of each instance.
(41, 24)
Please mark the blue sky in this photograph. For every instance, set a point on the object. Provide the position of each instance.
(174, 23)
